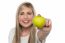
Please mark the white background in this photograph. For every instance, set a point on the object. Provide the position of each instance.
(53, 9)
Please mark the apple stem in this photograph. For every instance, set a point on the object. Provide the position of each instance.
(39, 15)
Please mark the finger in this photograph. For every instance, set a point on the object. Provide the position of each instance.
(47, 23)
(50, 23)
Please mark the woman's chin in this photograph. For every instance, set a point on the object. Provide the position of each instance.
(26, 26)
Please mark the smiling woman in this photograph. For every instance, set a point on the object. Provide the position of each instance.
(25, 31)
(25, 16)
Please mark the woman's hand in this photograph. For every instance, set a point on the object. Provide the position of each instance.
(42, 33)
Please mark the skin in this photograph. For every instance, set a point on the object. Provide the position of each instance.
(25, 19)
(42, 34)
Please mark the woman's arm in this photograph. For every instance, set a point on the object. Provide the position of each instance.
(11, 35)
(42, 33)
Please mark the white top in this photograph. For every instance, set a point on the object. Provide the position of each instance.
(23, 39)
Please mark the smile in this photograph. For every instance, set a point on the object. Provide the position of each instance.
(26, 21)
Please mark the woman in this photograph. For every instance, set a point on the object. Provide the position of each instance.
(25, 31)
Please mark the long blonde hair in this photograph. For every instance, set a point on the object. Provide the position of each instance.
(16, 38)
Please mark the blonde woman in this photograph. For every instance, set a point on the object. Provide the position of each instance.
(25, 31)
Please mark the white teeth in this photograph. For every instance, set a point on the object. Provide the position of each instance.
(25, 21)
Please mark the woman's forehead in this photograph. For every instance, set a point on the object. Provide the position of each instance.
(24, 8)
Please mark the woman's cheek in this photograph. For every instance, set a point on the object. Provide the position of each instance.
(31, 18)
(20, 18)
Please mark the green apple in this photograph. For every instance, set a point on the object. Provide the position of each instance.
(39, 21)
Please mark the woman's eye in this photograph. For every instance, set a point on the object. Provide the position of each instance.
(21, 13)
(29, 13)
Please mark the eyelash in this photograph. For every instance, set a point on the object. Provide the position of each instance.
(21, 14)
(29, 13)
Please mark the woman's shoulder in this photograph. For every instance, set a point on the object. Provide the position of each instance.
(11, 35)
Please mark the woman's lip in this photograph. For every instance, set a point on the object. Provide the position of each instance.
(26, 21)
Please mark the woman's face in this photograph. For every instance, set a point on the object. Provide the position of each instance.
(25, 17)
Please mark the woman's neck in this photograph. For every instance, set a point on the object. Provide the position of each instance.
(25, 31)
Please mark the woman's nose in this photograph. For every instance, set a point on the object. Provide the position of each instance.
(25, 16)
